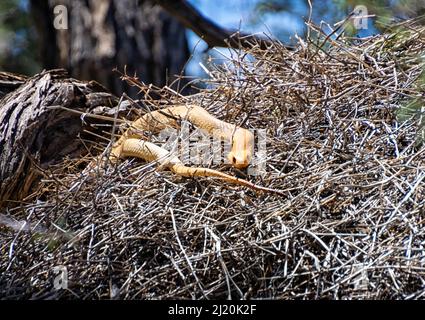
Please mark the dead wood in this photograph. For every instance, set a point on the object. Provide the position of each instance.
(32, 133)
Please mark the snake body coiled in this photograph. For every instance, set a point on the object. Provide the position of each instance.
(131, 144)
(241, 140)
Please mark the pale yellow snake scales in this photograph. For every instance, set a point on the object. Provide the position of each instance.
(131, 144)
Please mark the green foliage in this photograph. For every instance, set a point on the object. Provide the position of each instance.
(267, 6)
(17, 45)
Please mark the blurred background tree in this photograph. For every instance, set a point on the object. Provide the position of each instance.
(133, 36)
(17, 38)
(136, 36)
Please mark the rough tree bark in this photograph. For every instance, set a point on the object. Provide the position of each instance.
(108, 34)
(32, 132)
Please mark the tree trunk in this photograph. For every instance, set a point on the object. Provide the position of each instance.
(30, 131)
(106, 34)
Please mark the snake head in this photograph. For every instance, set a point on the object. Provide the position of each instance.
(242, 148)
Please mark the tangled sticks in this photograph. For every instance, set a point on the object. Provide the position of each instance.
(131, 144)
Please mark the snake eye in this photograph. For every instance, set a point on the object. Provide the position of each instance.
(233, 160)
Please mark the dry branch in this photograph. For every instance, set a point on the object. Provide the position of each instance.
(209, 31)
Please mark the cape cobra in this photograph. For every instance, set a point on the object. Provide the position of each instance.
(131, 144)
(242, 140)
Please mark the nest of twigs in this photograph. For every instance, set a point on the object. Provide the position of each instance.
(344, 143)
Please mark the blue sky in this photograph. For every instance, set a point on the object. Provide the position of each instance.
(241, 14)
